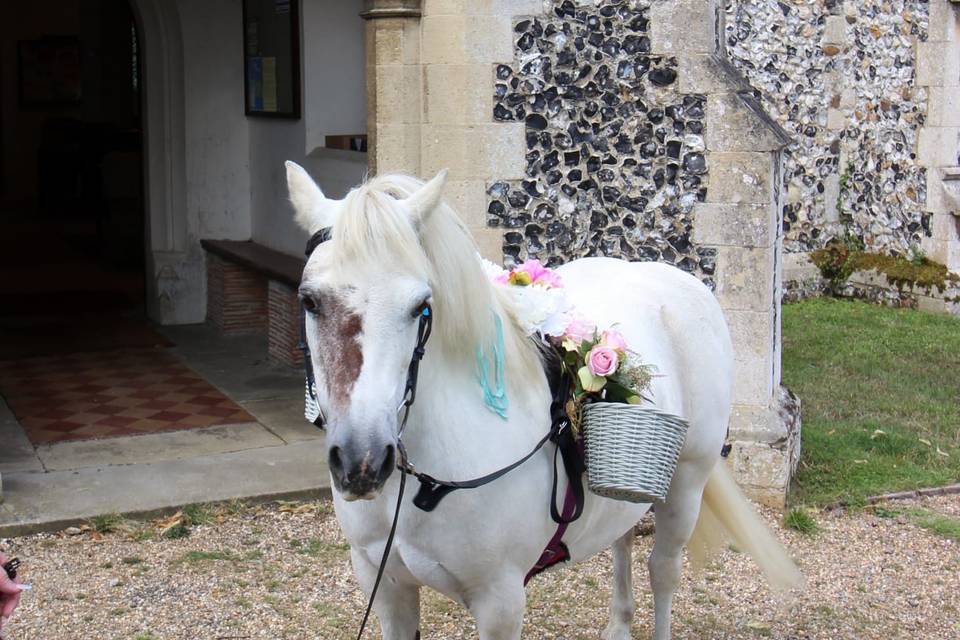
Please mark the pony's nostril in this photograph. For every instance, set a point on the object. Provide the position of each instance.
(389, 460)
(336, 462)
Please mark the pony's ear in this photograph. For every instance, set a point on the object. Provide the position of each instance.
(424, 200)
(309, 203)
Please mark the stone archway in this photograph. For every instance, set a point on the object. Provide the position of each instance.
(174, 268)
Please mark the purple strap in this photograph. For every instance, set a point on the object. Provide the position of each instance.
(556, 551)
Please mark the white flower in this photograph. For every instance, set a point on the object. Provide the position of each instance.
(542, 311)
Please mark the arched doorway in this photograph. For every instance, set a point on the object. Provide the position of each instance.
(72, 193)
(92, 215)
(174, 272)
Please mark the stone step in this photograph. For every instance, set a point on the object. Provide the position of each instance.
(38, 501)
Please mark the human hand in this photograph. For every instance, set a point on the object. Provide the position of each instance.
(9, 594)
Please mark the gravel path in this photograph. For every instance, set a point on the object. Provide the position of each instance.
(282, 571)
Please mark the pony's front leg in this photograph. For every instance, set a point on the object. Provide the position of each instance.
(498, 609)
(397, 604)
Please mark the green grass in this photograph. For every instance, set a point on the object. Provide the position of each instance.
(800, 520)
(880, 390)
(198, 514)
(177, 532)
(106, 523)
(220, 555)
(941, 525)
(317, 548)
(945, 526)
(203, 556)
(143, 533)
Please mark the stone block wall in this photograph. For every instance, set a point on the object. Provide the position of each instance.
(430, 65)
(939, 70)
(641, 142)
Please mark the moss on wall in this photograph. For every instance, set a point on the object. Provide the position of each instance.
(837, 263)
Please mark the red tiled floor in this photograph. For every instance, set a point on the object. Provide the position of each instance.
(111, 393)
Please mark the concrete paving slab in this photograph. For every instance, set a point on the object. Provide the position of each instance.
(156, 447)
(283, 417)
(243, 381)
(238, 365)
(202, 339)
(16, 451)
(51, 501)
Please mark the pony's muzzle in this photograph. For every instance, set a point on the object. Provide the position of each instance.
(360, 475)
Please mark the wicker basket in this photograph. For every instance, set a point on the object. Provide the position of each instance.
(631, 451)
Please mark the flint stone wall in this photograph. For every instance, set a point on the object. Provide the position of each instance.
(615, 157)
(842, 78)
(641, 141)
(870, 90)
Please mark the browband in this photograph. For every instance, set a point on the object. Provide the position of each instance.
(317, 239)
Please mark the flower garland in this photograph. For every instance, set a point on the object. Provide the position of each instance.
(604, 368)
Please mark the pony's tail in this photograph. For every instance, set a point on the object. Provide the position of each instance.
(726, 513)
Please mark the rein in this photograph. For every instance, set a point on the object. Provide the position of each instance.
(432, 490)
(409, 396)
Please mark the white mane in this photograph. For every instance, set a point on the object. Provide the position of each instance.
(374, 228)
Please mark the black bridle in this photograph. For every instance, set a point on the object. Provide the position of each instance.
(432, 490)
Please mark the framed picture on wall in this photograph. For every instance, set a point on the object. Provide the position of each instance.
(271, 58)
(49, 71)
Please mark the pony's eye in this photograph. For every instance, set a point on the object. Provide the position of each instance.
(421, 309)
(310, 304)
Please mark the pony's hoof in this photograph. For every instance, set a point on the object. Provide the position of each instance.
(618, 632)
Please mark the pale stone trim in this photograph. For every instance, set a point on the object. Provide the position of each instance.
(938, 146)
(376, 9)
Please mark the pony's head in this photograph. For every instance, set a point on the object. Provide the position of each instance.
(394, 248)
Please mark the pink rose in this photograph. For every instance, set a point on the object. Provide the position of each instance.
(602, 361)
(578, 330)
(614, 340)
(539, 274)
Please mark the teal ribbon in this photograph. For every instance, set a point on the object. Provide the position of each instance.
(496, 397)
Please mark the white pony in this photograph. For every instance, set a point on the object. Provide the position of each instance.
(394, 247)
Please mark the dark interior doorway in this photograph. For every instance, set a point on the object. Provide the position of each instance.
(71, 178)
